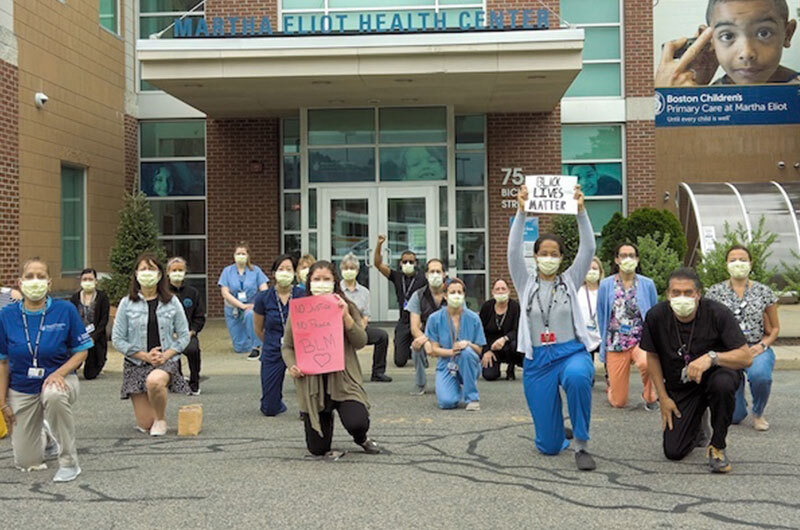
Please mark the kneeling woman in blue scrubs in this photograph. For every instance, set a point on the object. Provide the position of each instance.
(239, 284)
(269, 320)
(552, 334)
(456, 334)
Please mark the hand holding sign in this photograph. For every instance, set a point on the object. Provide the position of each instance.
(318, 335)
(552, 194)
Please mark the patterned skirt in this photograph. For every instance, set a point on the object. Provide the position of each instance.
(134, 378)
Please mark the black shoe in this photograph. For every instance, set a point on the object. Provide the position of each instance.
(584, 461)
(370, 447)
(380, 378)
(510, 375)
(254, 355)
(567, 432)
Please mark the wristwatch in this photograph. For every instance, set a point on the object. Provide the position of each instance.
(714, 358)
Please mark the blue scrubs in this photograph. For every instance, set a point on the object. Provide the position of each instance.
(272, 366)
(240, 323)
(570, 366)
(463, 386)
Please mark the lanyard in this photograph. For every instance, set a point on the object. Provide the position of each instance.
(453, 334)
(546, 316)
(407, 289)
(589, 303)
(283, 315)
(33, 350)
(499, 323)
(685, 350)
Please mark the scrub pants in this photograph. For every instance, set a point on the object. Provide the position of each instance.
(355, 419)
(273, 370)
(569, 366)
(241, 329)
(759, 374)
(618, 368)
(420, 365)
(55, 406)
(717, 392)
(402, 343)
(452, 390)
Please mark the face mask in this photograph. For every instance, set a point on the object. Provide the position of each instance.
(34, 290)
(284, 278)
(628, 265)
(349, 274)
(240, 259)
(147, 278)
(682, 305)
(739, 269)
(321, 288)
(89, 286)
(593, 276)
(501, 297)
(455, 300)
(408, 269)
(303, 274)
(435, 279)
(177, 276)
(547, 265)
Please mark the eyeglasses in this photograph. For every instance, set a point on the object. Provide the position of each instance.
(407, 262)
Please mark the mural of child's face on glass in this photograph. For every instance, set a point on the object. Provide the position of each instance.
(420, 163)
(172, 179)
(162, 182)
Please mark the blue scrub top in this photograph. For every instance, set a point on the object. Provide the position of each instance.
(247, 282)
(275, 314)
(438, 330)
(63, 335)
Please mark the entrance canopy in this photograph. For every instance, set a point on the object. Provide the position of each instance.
(485, 71)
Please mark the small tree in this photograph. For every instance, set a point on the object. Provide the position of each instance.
(137, 233)
(791, 274)
(642, 222)
(713, 267)
(566, 227)
(657, 260)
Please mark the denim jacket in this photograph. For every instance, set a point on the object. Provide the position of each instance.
(129, 334)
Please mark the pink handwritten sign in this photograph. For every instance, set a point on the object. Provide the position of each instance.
(318, 334)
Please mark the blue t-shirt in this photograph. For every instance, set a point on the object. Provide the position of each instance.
(247, 283)
(63, 335)
(275, 315)
(438, 330)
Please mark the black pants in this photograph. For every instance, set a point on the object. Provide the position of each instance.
(95, 360)
(505, 355)
(192, 353)
(717, 392)
(355, 419)
(402, 343)
(380, 339)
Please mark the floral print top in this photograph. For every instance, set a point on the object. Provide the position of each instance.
(625, 325)
(748, 310)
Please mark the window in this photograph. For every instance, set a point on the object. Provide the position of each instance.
(593, 153)
(601, 75)
(73, 219)
(172, 173)
(109, 15)
(292, 197)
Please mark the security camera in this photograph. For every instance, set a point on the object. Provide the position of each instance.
(40, 99)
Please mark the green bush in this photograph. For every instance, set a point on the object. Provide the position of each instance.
(657, 260)
(642, 222)
(137, 233)
(566, 227)
(713, 267)
(791, 274)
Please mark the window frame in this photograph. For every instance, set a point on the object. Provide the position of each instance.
(84, 214)
(117, 17)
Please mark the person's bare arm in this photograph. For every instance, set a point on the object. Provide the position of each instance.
(734, 359)
(378, 258)
(666, 404)
(771, 330)
(228, 297)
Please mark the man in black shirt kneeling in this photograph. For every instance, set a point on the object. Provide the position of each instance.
(695, 354)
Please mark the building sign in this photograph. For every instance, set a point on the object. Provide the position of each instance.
(513, 178)
(364, 23)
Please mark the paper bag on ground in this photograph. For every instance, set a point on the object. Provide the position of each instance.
(190, 420)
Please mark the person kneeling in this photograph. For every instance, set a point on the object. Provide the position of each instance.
(456, 335)
(696, 352)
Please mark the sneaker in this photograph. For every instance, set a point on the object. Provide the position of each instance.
(159, 428)
(651, 407)
(370, 447)
(67, 474)
(141, 429)
(584, 461)
(254, 355)
(474, 405)
(380, 378)
(194, 392)
(717, 460)
(760, 424)
(418, 391)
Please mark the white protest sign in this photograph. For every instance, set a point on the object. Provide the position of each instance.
(551, 194)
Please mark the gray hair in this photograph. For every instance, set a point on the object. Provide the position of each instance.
(350, 259)
(176, 259)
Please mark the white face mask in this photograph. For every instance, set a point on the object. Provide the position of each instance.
(739, 269)
(148, 278)
(455, 300)
(593, 276)
(303, 275)
(435, 279)
(628, 265)
(284, 278)
(683, 305)
(89, 286)
(349, 274)
(177, 276)
(240, 259)
(321, 287)
(408, 269)
(501, 297)
(34, 290)
(548, 265)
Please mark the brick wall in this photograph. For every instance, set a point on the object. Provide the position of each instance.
(641, 164)
(531, 142)
(242, 202)
(9, 173)
(131, 152)
(243, 8)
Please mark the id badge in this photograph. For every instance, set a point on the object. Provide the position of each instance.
(405, 305)
(35, 373)
(684, 375)
(547, 338)
(625, 329)
(90, 328)
(242, 296)
(452, 367)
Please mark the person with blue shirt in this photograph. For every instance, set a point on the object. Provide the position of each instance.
(270, 312)
(239, 283)
(42, 343)
(457, 339)
(623, 301)
(552, 334)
